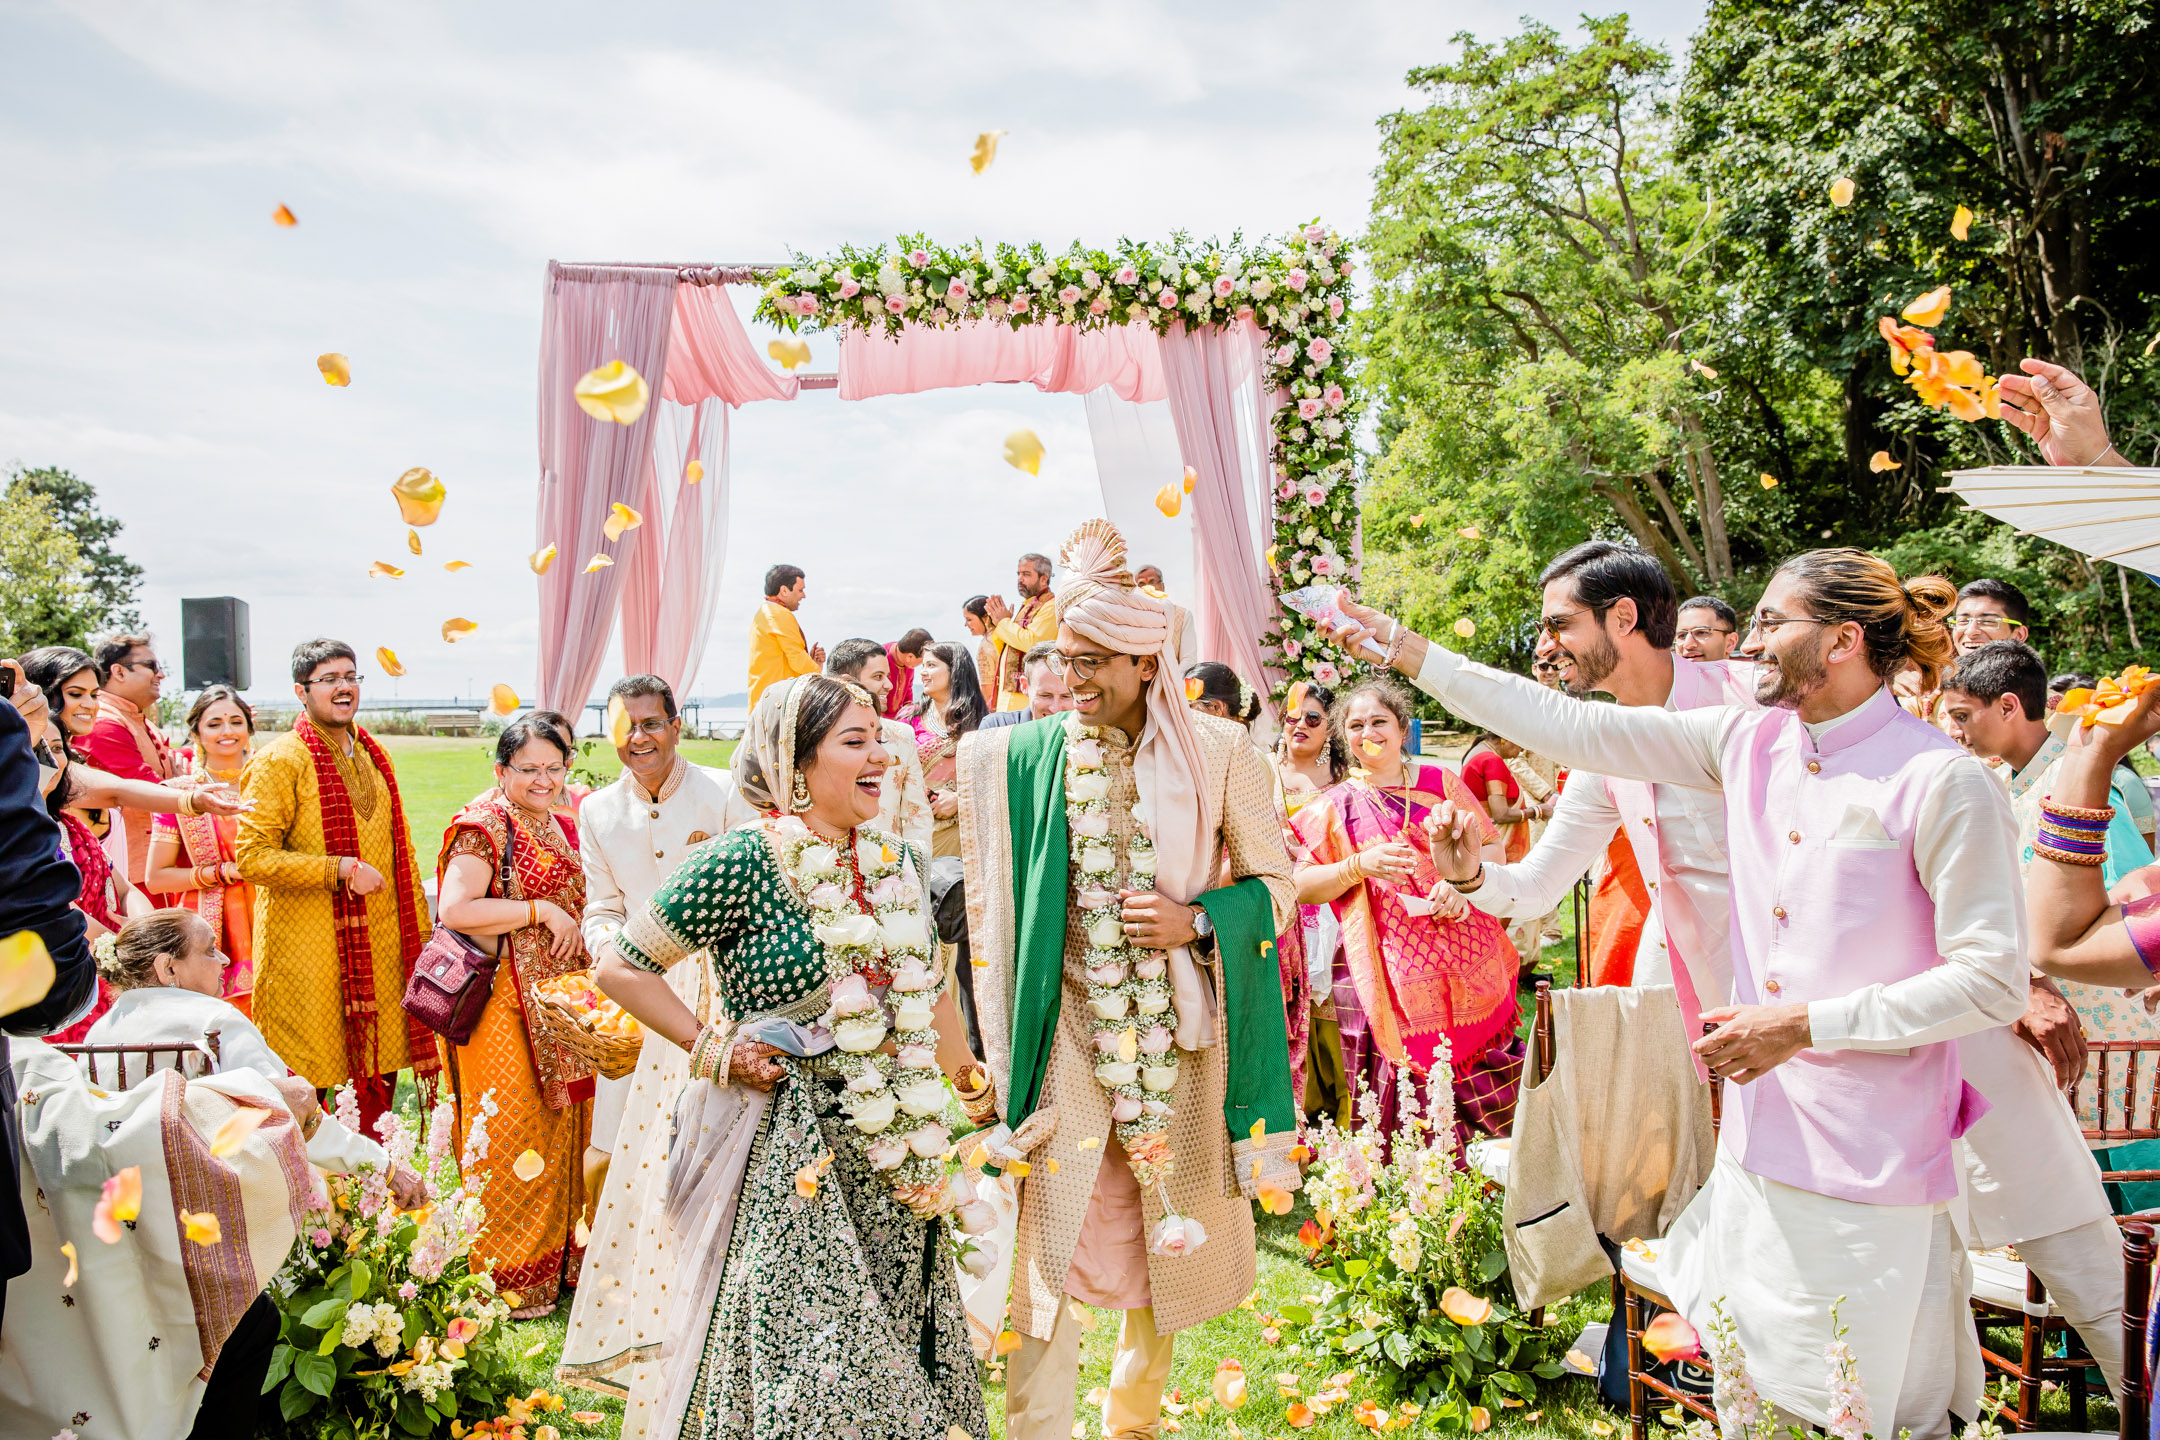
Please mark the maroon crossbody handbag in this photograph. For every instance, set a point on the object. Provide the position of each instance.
(454, 976)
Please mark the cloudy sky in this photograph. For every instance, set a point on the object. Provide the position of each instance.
(160, 332)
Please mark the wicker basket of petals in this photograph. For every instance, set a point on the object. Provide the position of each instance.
(570, 1009)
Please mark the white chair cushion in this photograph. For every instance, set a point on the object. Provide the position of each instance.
(1639, 1263)
(2000, 1280)
(1490, 1159)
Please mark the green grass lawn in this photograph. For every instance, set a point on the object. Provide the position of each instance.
(438, 776)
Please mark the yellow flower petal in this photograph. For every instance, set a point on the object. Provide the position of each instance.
(412, 541)
(1274, 1199)
(790, 353)
(74, 1269)
(283, 216)
(598, 562)
(694, 471)
(1464, 1308)
(1271, 556)
(502, 700)
(387, 658)
(581, 1233)
(1961, 223)
(617, 723)
(234, 1132)
(1471, 532)
(1769, 481)
(384, 570)
(614, 392)
(456, 626)
(26, 970)
(337, 371)
(1881, 461)
(528, 1166)
(419, 495)
(1481, 1419)
(1703, 370)
(541, 559)
(1023, 451)
(1082, 1316)
(1128, 1045)
(985, 150)
(453, 566)
(1192, 477)
(1466, 627)
(124, 1190)
(1007, 1342)
(978, 1157)
(1930, 308)
(1170, 500)
(1599, 1427)
(620, 518)
(1089, 1143)
(202, 1228)
(1841, 191)
(537, 1346)
(1417, 520)
(1050, 1166)
(1019, 1169)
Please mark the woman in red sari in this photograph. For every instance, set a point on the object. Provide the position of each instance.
(1417, 964)
(193, 856)
(534, 1094)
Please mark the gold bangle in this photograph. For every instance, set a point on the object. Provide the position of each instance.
(1355, 865)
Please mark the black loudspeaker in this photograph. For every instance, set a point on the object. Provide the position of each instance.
(214, 643)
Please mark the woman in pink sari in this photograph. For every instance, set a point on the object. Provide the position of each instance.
(950, 707)
(1418, 964)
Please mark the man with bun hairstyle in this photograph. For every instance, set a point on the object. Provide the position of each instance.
(1875, 919)
(1131, 1005)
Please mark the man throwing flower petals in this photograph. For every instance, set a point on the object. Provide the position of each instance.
(1131, 1006)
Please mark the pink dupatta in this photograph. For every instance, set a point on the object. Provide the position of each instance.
(1417, 977)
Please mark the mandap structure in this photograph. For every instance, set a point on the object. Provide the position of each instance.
(1243, 344)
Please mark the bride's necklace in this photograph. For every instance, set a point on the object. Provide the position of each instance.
(1136, 1056)
(867, 912)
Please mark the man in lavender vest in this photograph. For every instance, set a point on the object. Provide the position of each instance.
(1875, 918)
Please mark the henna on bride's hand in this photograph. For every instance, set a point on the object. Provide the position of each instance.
(754, 1063)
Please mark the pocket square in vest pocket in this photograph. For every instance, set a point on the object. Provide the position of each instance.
(1861, 829)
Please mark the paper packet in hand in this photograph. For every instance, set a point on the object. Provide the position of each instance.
(1322, 604)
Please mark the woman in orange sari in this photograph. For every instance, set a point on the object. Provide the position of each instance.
(192, 856)
(1418, 964)
(523, 1092)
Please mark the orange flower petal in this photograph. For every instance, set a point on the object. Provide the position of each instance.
(1417, 521)
(617, 723)
(1192, 477)
(502, 699)
(1961, 223)
(387, 658)
(384, 570)
(1007, 1342)
(598, 562)
(1170, 500)
(456, 626)
(1670, 1337)
(985, 151)
(453, 566)
(1471, 532)
(1299, 1416)
(620, 518)
(1465, 627)
(1769, 481)
(412, 541)
(283, 216)
(74, 1269)
(1881, 461)
(335, 368)
(1274, 1200)
(614, 392)
(1841, 191)
(234, 1133)
(1703, 370)
(527, 1167)
(1193, 687)
(202, 1227)
(419, 495)
(1464, 1308)
(694, 471)
(1930, 308)
(540, 559)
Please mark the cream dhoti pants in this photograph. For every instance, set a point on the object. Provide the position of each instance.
(1042, 1376)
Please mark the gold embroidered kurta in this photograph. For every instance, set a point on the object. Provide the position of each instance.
(1053, 1207)
(299, 1004)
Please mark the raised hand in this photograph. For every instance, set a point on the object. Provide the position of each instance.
(2061, 414)
(1457, 840)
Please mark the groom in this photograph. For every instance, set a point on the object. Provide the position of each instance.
(1178, 1250)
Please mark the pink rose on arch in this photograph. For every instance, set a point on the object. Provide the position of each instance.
(1315, 495)
(1284, 354)
(1324, 564)
(957, 290)
(849, 289)
(1332, 397)
(1296, 279)
(1285, 490)
(1326, 674)
(1098, 305)
(1291, 649)
(894, 304)
(1244, 312)
(1316, 233)
(1320, 350)
(1126, 275)
(1020, 305)
(1347, 267)
(918, 258)
(1224, 287)
(1334, 307)
(1070, 295)
(1308, 409)
(1167, 299)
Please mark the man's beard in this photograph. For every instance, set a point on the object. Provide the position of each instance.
(1784, 681)
(1583, 672)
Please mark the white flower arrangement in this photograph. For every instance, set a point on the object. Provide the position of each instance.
(867, 912)
(1133, 1018)
(1295, 288)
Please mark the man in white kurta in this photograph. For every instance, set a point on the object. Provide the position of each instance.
(632, 835)
(1783, 1228)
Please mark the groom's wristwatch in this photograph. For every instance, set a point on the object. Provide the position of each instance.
(1203, 928)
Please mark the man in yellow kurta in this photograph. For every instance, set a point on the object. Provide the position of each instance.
(339, 913)
(1017, 632)
(777, 651)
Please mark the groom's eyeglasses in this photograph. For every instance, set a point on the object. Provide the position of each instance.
(1079, 667)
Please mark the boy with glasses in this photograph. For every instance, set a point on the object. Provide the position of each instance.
(126, 741)
(1709, 629)
(339, 913)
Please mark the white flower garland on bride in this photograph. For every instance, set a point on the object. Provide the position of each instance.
(1136, 1057)
(892, 1101)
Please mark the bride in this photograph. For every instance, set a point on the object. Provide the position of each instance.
(806, 1181)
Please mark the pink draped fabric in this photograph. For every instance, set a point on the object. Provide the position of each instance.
(711, 354)
(669, 595)
(593, 314)
(1053, 358)
(1212, 375)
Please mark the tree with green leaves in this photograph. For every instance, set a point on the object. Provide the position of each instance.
(40, 576)
(104, 582)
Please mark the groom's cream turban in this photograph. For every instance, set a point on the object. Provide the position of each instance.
(1098, 601)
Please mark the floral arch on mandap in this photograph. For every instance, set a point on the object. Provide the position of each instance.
(1244, 342)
